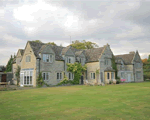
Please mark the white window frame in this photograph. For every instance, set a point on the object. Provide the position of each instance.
(23, 74)
(112, 74)
(48, 58)
(46, 74)
(72, 76)
(59, 77)
(92, 75)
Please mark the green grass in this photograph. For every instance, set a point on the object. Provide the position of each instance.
(113, 102)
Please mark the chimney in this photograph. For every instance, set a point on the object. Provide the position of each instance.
(132, 52)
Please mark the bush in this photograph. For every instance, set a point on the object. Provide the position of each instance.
(118, 81)
(110, 82)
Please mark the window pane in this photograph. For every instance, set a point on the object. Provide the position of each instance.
(93, 75)
(107, 75)
(69, 75)
(51, 58)
(43, 76)
(112, 75)
(27, 79)
(30, 80)
(57, 75)
(60, 75)
(24, 79)
(47, 76)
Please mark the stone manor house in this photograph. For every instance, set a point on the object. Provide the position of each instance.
(51, 61)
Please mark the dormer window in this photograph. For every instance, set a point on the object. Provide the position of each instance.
(69, 60)
(48, 58)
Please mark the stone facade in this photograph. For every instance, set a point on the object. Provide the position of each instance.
(51, 61)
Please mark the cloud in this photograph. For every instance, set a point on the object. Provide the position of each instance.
(122, 24)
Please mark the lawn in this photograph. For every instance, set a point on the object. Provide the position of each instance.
(112, 102)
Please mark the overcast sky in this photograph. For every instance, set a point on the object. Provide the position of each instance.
(123, 24)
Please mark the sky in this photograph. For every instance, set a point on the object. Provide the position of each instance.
(123, 24)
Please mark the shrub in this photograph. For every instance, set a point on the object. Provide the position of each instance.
(110, 82)
(118, 81)
(40, 81)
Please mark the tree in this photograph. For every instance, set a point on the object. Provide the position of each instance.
(83, 44)
(146, 68)
(144, 61)
(51, 43)
(18, 74)
(38, 41)
(9, 64)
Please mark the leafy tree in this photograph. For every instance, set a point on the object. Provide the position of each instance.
(9, 64)
(83, 44)
(18, 74)
(38, 41)
(51, 43)
(77, 69)
(146, 68)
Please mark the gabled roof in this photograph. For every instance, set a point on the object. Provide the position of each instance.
(65, 49)
(38, 47)
(78, 53)
(93, 54)
(21, 51)
(127, 58)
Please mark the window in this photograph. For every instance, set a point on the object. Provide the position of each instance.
(69, 60)
(28, 58)
(112, 75)
(71, 76)
(138, 75)
(48, 58)
(106, 61)
(46, 75)
(122, 75)
(108, 76)
(92, 75)
(27, 77)
(59, 76)
(82, 61)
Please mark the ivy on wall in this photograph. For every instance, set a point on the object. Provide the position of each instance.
(77, 69)
(114, 66)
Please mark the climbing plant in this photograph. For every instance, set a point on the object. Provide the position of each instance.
(114, 66)
(77, 69)
(40, 81)
(18, 74)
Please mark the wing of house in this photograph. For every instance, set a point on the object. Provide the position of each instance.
(130, 67)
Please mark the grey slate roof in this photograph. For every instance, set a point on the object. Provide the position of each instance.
(38, 47)
(127, 58)
(21, 51)
(109, 69)
(93, 54)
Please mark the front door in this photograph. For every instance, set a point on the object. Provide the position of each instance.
(129, 77)
(82, 80)
(3, 78)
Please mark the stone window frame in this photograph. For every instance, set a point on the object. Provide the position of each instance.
(59, 76)
(70, 76)
(47, 76)
(28, 58)
(106, 62)
(92, 75)
(47, 58)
